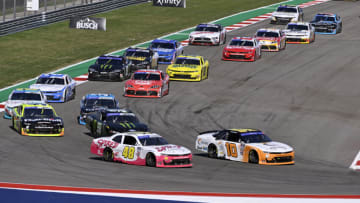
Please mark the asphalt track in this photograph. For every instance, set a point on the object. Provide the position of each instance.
(306, 96)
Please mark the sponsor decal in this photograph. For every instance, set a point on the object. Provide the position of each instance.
(170, 3)
(88, 23)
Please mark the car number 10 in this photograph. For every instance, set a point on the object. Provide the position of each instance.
(231, 150)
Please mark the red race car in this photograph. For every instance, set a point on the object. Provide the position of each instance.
(147, 83)
(271, 39)
(242, 49)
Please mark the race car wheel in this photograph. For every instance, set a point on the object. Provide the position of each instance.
(65, 96)
(253, 157)
(212, 151)
(150, 160)
(73, 94)
(108, 155)
(207, 73)
(224, 41)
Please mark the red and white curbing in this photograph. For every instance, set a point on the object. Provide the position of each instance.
(356, 163)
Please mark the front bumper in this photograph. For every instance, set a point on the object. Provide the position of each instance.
(238, 57)
(203, 41)
(270, 47)
(105, 76)
(168, 59)
(330, 30)
(297, 40)
(277, 158)
(54, 96)
(151, 92)
(50, 133)
(174, 161)
(281, 20)
(184, 76)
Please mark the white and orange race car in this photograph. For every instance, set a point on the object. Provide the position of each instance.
(245, 145)
(141, 148)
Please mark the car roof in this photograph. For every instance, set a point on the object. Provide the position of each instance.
(190, 57)
(113, 57)
(52, 75)
(243, 38)
(247, 131)
(325, 14)
(26, 90)
(164, 41)
(148, 71)
(268, 30)
(37, 106)
(139, 135)
(208, 25)
(299, 23)
(99, 96)
(288, 6)
(138, 49)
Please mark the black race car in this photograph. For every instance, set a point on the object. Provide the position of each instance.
(92, 102)
(109, 67)
(141, 58)
(106, 122)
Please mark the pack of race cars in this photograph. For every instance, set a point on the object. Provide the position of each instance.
(118, 133)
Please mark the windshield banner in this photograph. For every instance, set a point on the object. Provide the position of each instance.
(170, 3)
(88, 23)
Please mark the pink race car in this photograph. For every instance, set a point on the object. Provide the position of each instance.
(242, 49)
(141, 148)
(147, 83)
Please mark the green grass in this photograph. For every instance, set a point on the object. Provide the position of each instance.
(27, 54)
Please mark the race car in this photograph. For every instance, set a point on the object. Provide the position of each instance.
(271, 39)
(106, 122)
(23, 96)
(287, 13)
(245, 145)
(299, 33)
(327, 23)
(141, 58)
(37, 120)
(167, 50)
(109, 67)
(141, 148)
(147, 83)
(208, 34)
(56, 87)
(92, 102)
(188, 68)
(242, 49)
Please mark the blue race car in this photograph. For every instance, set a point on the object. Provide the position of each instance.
(93, 102)
(326, 23)
(56, 87)
(168, 50)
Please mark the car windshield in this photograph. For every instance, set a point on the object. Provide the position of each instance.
(109, 62)
(187, 61)
(122, 119)
(146, 76)
(242, 43)
(137, 54)
(286, 9)
(255, 138)
(50, 81)
(26, 96)
(38, 112)
(207, 29)
(324, 18)
(109, 103)
(267, 34)
(297, 27)
(165, 45)
(151, 141)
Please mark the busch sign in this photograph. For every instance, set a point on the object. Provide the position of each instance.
(88, 23)
(170, 3)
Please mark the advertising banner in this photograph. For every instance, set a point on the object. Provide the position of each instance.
(32, 5)
(170, 3)
(88, 23)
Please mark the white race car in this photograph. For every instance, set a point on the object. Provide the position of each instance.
(56, 87)
(245, 145)
(285, 14)
(141, 148)
(300, 33)
(22, 96)
(208, 34)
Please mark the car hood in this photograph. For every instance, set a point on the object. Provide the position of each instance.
(238, 48)
(272, 147)
(284, 15)
(267, 38)
(13, 103)
(297, 32)
(162, 51)
(184, 67)
(46, 88)
(322, 22)
(128, 126)
(44, 120)
(170, 149)
(105, 68)
(204, 34)
(144, 83)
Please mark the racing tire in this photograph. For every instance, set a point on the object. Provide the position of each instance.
(207, 73)
(253, 157)
(212, 151)
(150, 160)
(65, 96)
(108, 155)
(224, 41)
(73, 94)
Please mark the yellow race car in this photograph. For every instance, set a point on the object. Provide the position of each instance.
(188, 68)
(37, 120)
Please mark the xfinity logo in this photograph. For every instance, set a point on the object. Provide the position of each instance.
(175, 2)
(170, 3)
(87, 24)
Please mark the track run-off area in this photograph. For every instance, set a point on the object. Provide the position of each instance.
(305, 96)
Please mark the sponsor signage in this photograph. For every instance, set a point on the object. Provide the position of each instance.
(32, 5)
(88, 23)
(170, 3)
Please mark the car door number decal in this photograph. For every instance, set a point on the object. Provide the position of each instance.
(231, 149)
(128, 152)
